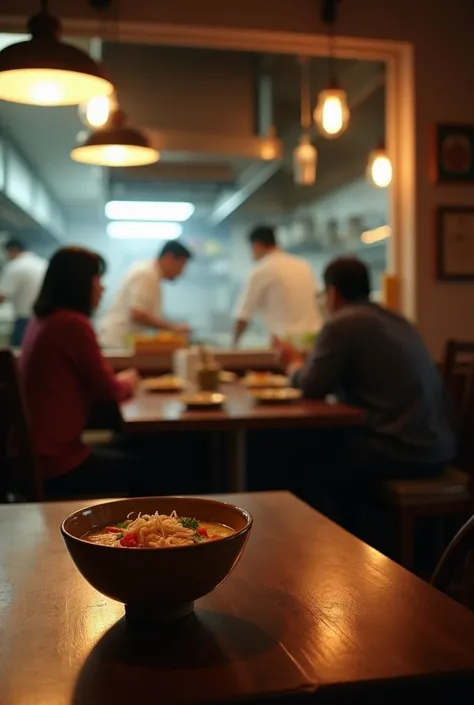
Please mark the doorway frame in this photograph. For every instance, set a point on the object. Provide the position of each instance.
(399, 96)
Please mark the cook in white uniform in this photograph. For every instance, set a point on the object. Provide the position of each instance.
(20, 284)
(137, 305)
(281, 288)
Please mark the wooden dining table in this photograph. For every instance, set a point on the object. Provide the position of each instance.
(149, 413)
(310, 614)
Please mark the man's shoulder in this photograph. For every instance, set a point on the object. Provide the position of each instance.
(144, 268)
(364, 316)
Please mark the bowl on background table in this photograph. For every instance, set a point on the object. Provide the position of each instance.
(156, 584)
(284, 395)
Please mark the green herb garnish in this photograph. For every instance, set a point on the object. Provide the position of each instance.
(122, 524)
(197, 538)
(188, 523)
(118, 537)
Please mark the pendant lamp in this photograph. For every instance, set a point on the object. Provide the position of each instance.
(45, 71)
(97, 111)
(305, 155)
(379, 167)
(116, 145)
(332, 114)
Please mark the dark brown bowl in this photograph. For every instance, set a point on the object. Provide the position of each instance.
(156, 583)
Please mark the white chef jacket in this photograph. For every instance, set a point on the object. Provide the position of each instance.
(281, 288)
(21, 282)
(141, 289)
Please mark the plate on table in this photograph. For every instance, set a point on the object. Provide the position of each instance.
(165, 383)
(286, 395)
(226, 377)
(203, 400)
(264, 380)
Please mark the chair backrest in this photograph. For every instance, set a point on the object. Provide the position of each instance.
(454, 574)
(465, 456)
(458, 360)
(18, 471)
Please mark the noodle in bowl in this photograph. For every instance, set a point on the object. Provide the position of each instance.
(158, 531)
(162, 566)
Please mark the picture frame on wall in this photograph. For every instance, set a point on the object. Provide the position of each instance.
(455, 243)
(452, 154)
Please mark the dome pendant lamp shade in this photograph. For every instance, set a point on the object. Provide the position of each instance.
(45, 71)
(116, 145)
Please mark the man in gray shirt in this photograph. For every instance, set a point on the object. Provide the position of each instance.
(375, 359)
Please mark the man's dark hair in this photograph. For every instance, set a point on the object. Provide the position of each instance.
(350, 277)
(15, 244)
(177, 249)
(67, 283)
(264, 235)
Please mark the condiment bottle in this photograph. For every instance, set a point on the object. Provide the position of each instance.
(207, 372)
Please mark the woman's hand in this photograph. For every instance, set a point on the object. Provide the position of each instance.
(182, 328)
(131, 377)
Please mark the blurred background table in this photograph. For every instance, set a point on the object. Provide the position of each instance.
(149, 413)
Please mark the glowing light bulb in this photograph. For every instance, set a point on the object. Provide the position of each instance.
(332, 113)
(115, 154)
(268, 151)
(96, 112)
(305, 161)
(379, 168)
(45, 93)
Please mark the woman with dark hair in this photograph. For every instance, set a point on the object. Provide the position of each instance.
(63, 373)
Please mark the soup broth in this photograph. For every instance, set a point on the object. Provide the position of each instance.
(158, 531)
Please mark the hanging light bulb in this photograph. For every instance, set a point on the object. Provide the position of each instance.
(305, 162)
(116, 145)
(332, 114)
(97, 111)
(45, 71)
(270, 148)
(305, 156)
(379, 167)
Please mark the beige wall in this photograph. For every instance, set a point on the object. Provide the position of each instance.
(441, 32)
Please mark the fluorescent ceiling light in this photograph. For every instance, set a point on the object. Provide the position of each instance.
(133, 230)
(149, 210)
(376, 235)
(7, 39)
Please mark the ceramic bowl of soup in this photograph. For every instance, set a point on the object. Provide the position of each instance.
(157, 555)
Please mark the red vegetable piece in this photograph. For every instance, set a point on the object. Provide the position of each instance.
(129, 540)
(202, 531)
(113, 530)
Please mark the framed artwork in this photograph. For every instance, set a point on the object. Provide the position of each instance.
(455, 243)
(452, 154)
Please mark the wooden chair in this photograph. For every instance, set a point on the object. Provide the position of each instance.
(20, 479)
(451, 493)
(454, 574)
(19, 475)
(456, 369)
